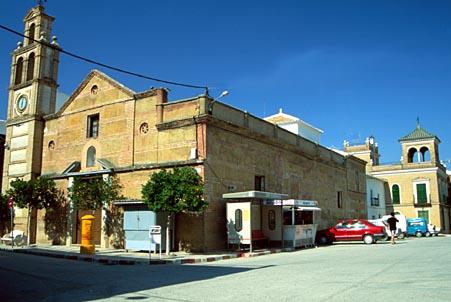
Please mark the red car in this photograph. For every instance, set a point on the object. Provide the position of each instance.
(351, 230)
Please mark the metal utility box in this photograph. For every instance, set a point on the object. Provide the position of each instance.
(137, 221)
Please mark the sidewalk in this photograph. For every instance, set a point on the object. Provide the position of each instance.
(122, 257)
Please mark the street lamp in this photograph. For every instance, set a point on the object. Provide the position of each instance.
(210, 106)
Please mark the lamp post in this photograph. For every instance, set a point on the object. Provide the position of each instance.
(210, 106)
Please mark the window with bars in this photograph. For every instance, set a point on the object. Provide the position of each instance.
(395, 194)
(93, 126)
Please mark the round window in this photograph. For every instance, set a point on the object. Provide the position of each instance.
(144, 128)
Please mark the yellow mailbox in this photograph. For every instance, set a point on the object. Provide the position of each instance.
(87, 224)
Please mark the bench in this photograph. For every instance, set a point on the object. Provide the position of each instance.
(258, 236)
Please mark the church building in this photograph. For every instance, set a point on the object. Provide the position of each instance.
(107, 130)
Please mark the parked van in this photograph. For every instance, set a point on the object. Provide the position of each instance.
(417, 227)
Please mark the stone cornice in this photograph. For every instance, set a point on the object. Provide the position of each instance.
(125, 169)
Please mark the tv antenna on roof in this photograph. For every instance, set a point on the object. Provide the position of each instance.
(41, 2)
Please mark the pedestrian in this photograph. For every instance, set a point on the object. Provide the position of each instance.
(392, 225)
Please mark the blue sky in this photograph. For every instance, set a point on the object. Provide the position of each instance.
(351, 68)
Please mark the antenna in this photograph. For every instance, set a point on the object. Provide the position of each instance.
(41, 2)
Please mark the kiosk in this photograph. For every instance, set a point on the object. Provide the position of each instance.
(300, 221)
(245, 223)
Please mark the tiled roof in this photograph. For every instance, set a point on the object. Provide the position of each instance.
(418, 134)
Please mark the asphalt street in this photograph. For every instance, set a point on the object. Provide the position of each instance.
(412, 270)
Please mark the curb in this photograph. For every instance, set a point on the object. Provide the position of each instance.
(114, 261)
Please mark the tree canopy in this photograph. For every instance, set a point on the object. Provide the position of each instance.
(93, 193)
(176, 191)
(37, 193)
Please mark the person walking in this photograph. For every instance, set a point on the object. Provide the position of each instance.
(392, 225)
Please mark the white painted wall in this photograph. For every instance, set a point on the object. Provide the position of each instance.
(302, 129)
(376, 186)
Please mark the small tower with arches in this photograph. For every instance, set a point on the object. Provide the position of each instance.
(420, 147)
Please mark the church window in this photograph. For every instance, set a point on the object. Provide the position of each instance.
(339, 199)
(411, 155)
(51, 145)
(91, 157)
(144, 128)
(425, 154)
(31, 33)
(395, 194)
(19, 69)
(30, 67)
(93, 126)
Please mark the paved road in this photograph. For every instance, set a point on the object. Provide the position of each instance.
(412, 270)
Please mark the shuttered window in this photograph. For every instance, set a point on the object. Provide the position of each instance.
(424, 214)
(421, 194)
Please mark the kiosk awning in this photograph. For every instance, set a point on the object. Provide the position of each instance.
(255, 195)
(308, 208)
(299, 204)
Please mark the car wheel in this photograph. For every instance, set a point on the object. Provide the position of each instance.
(323, 240)
(418, 234)
(368, 239)
(427, 234)
(401, 236)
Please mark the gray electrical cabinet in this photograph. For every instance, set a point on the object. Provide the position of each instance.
(137, 221)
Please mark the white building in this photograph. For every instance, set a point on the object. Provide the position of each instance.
(375, 187)
(296, 126)
(375, 197)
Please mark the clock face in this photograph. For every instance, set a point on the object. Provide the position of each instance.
(22, 103)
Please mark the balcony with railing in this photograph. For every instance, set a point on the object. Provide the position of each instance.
(422, 201)
(374, 201)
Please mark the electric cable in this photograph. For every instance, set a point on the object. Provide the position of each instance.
(56, 47)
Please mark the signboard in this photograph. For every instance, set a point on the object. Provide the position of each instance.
(291, 202)
(239, 222)
(155, 234)
(155, 238)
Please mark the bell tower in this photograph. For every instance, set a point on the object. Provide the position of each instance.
(420, 146)
(31, 96)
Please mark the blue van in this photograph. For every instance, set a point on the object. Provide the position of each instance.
(417, 227)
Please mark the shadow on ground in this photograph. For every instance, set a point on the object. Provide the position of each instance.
(33, 278)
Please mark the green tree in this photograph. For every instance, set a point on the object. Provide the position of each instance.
(5, 215)
(94, 193)
(36, 193)
(176, 191)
